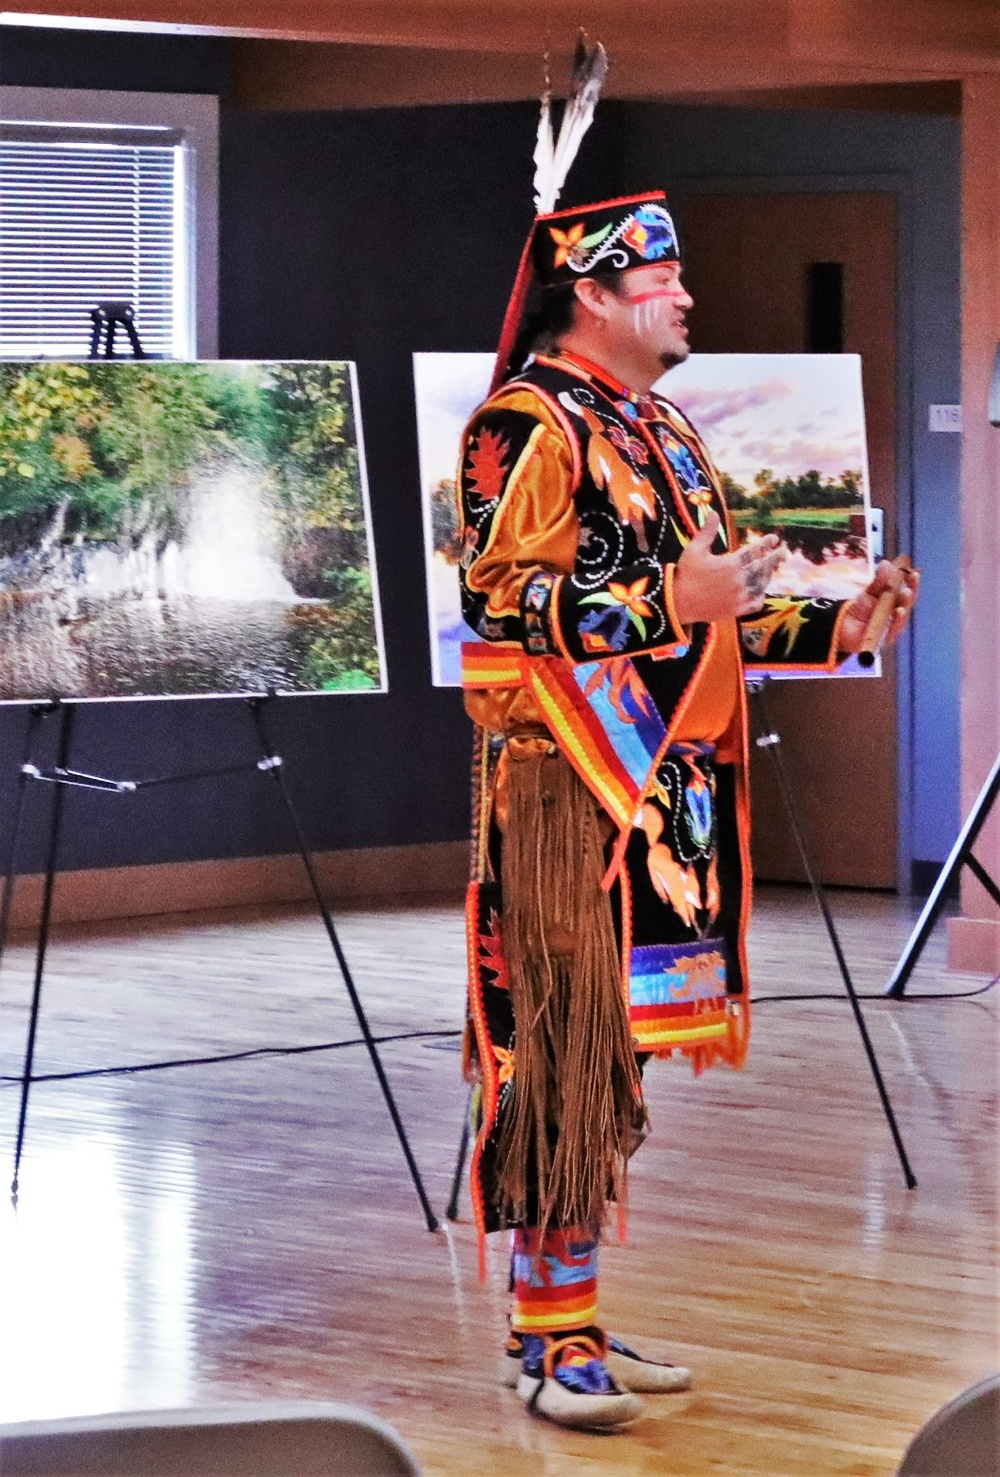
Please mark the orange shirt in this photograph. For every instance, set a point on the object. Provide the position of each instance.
(713, 714)
(536, 527)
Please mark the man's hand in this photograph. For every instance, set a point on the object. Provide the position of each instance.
(888, 576)
(718, 587)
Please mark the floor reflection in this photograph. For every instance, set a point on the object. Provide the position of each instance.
(249, 1230)
(95, 1283)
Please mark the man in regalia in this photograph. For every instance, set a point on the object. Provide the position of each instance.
(611, 886)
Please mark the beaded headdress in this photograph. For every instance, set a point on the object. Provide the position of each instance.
(566, 245)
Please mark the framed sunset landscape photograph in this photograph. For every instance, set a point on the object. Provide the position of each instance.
(786, 431)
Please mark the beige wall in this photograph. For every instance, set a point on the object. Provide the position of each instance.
(975, 936)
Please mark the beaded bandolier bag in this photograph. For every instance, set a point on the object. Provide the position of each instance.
(611, 881)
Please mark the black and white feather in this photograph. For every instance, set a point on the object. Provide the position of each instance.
(554, 156)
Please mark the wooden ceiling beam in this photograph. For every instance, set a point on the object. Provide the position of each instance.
(488, 26)
(301, 76)
(958, 35)
(298, 54)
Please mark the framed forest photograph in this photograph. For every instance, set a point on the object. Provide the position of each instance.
(181, 529)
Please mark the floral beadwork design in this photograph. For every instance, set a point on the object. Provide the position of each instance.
(622, 605)
(781, 615)
(488, 465)
(650, 233)
(535, 611)
(505, 1065)
(622, 686)
(680, 458)
(636, 450)
(679, 822)
(573, 248)
(700, 499)
(690, 477)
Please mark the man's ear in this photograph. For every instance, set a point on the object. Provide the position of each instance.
(592, 297)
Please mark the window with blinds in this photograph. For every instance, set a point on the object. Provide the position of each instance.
(87, 215)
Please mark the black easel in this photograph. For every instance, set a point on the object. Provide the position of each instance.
(106, 317)
(961, 856)
(29, 771)
(768, 739)
(37, 713)
(63, 778)
(451, 1209)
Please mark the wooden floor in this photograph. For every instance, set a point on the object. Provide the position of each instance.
(249, 1230)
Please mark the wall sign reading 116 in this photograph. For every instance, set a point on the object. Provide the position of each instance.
(945, 418)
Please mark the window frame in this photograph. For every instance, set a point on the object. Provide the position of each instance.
(196, 117)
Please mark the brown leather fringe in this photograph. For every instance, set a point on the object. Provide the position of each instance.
(576, 1107)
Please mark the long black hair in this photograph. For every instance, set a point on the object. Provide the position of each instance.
(551, 312)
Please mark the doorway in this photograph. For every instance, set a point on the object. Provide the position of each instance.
(815, 272)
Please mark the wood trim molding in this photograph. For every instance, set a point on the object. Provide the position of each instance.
(182, 887)
(943, 97)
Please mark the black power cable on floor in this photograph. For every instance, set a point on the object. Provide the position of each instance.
(887, 999)
(232, 1056)
(260, 1052)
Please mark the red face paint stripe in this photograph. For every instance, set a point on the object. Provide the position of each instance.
(645, 297)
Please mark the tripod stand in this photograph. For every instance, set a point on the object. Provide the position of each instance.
(63, 779)
(768, 739)
(961, 856)
(106, 317)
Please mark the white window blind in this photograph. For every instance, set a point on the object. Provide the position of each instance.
(89, 215)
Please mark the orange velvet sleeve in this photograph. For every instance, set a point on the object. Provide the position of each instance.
(535, 526)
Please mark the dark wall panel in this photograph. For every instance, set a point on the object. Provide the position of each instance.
(119, 60)
(367, 237)
(371, 235)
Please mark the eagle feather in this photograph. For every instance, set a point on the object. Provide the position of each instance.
(553, 158)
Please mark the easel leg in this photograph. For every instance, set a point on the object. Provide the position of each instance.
(35, 716)
(771, 741)
(275, 770)
(65, 715)
(463, 1148)
(961, 856)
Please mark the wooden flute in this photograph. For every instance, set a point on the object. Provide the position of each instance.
(881, 618)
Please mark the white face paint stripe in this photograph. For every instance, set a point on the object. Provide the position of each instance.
(646, 312)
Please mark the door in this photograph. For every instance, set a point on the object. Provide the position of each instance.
(785, 274)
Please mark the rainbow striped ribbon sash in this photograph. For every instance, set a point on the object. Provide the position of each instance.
(678, 991)
(605, 722)
(600, 714)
